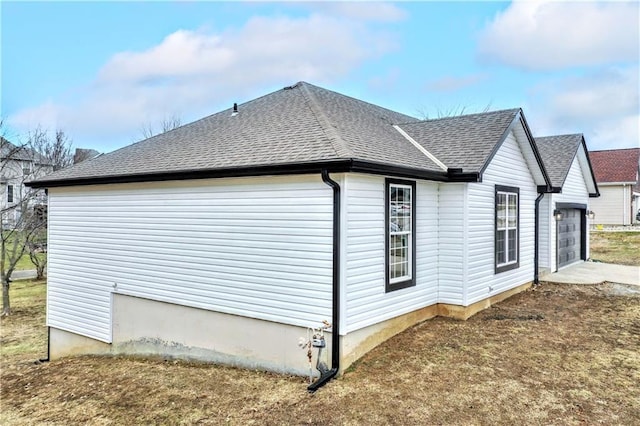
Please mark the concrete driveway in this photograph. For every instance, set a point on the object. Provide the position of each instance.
(595, 273)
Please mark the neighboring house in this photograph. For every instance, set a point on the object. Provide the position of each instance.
(226, 238)
(564, 230)
(17, 165)
(617, 173)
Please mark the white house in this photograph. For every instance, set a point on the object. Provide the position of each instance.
(227, 238)
(17, 165)
(618, 174)
(564, 211)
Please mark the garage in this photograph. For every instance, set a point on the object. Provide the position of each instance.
(571, 232)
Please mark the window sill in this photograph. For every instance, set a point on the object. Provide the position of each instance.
(399, 285)
(507, 267)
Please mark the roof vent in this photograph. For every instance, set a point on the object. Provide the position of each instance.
(235, 110)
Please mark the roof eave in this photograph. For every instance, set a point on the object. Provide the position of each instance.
(278, 169)
(519, 118)
(596, 193)
(333, 166)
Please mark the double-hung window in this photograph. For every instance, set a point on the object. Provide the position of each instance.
(507, 228)
(400, 200)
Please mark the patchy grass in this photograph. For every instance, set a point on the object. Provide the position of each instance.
(24, 263)
(556, 354)
(622, 248)
(23, 334)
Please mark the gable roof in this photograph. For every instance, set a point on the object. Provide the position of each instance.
(11, 151)
(616, 165)
(302, 129)
(558, 153)
(450, 138)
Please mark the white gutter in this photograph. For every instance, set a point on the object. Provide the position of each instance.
(615, 183)
(429, 155)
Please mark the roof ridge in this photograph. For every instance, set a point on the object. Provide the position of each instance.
(421, 148)
(615, 149)
(337, 143)
(360, 100)
(560, 136)
(464, 116)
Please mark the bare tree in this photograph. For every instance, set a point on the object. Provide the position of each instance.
(23, 209)
(168, 123)
(57, 150)
(454, 111)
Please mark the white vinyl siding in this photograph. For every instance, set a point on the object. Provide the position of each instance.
(257, 247)
(544, 233)
(509, 168)
(612, 207)
(452, 250)
(366, 301)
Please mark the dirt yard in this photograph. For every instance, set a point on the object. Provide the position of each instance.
(557, 354)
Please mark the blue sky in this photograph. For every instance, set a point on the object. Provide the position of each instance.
(102, 71)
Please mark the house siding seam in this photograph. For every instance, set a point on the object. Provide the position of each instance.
(508, 167)
(465, 246)
(367, 302)
(451, 243)
(544, 236)
(256, 247)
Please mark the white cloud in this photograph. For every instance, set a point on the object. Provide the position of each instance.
(547, 35)
(453, 83)
(604, 105)
(365, 10)
(190, 73)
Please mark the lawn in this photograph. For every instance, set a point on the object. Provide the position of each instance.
(24, 263)
(622, 248)
(556, 354)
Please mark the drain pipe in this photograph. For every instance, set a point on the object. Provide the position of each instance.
(335, 322)
(536, 243)
(48, 347)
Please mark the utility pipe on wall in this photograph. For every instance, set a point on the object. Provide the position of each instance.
(335, 322)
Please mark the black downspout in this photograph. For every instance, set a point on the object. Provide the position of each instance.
(536, 243)
(48, 347)
(335, 321)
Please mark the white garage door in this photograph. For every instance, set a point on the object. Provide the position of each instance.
(569, 236)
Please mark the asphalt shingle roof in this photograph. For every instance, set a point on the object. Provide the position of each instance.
(616, 165)
(10, 151)
(302, 124)
(466, 141)
(557, 154)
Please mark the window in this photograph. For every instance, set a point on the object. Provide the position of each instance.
(9, 193)
(400, 238)
(26, 169)
(507, 236)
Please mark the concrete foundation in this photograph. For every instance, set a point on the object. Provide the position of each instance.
(151, 328)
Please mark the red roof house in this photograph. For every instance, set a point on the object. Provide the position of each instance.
(617, 173)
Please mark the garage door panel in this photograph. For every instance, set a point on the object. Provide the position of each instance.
(569, 236)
